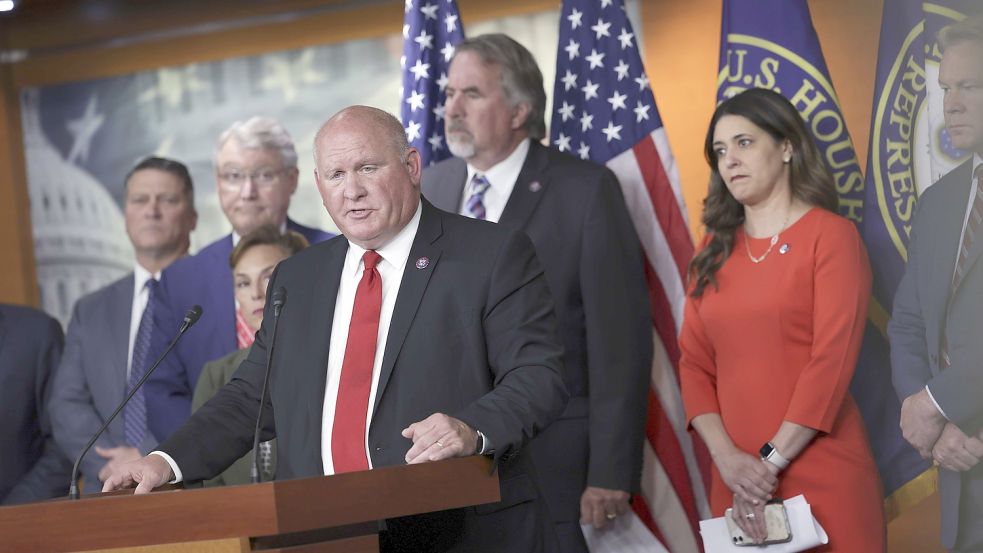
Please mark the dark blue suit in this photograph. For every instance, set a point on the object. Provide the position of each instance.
(32, 467)
(204, 279)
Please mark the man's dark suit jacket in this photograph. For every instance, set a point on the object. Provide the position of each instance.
(575, 214)
(91, 379)
(473, 335)
(32, 467)
(926, 312)
(204, 279)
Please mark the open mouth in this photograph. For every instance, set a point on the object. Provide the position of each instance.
(359, 213)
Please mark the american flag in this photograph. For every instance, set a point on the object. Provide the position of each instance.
(605, 112)
(431, 30)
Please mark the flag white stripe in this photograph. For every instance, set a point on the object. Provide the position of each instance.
(660, 258)
(666, 509)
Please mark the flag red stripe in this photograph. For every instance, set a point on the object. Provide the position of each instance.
(665, 326)
(667, 210)
(641, 508)
(660, 434)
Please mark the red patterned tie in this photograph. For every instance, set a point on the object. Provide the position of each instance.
(969, 235)
(352, 405)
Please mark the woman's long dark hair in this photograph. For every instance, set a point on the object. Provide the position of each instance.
(809, 178)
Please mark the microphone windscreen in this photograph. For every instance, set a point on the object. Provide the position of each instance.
(279, 296)
(192, 316)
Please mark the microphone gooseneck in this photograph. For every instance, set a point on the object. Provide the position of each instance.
(190, 318)
(278, 298)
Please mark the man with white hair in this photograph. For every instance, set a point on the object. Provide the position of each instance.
(256, 174)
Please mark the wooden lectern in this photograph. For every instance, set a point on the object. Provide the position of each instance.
(324, 514)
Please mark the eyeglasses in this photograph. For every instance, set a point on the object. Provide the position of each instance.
(264, 177)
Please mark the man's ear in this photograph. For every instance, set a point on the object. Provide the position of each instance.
(414, 164)
(520, 114)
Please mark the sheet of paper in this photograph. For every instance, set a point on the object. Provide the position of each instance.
(627, 534)
(806, 532)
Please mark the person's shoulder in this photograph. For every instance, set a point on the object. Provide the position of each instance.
(829, 224)
(312, 234)
(952, 183)
(107, 294)
(29, 321)
(443, 167)
(191, 266)
(583, 170)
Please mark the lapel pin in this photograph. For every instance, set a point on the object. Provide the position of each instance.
(534, 186)
(422, 263)
(784, 249)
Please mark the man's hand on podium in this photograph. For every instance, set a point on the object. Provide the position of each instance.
(147, 473)
(439, 437)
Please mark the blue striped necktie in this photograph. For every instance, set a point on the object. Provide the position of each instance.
(476, 207)
(135, 412)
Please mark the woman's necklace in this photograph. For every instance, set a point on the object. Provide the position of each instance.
(774, 240)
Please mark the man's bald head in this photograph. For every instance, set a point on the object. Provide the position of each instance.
(387, 126)
(367, 175)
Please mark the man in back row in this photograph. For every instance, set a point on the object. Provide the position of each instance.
(256, 173)
(590, 460)
(109, 332)
(417, 336)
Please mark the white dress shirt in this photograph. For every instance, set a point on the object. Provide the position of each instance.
(977, 161)
(140, 298)
(501, 178)
(394, 255)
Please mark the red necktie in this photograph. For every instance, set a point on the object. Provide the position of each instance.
(352, 405)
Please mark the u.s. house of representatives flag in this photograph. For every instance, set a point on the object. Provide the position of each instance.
(604, 111)
(431, 30)
(909, 150)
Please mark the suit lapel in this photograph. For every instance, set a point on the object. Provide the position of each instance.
(411, 289)
(323, 299)
(446, 192)
(529, 188)
(120, 313)
(950, 232)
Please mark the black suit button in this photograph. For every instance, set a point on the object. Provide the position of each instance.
(380, 447)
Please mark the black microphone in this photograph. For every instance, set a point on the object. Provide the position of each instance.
(190, 318)
(278, 298)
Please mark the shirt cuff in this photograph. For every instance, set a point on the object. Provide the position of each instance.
(935, 403)
(177, 472)
(486, 446)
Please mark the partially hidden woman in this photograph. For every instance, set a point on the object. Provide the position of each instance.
(773, 324)
(253, 260)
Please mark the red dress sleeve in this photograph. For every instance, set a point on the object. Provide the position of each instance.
(842, 282)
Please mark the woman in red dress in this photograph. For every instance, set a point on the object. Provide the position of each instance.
(773, 326)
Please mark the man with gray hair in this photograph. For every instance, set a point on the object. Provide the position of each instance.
(589, 461)
(934, 328)
(256, 173)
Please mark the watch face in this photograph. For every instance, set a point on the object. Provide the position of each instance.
(766, 450)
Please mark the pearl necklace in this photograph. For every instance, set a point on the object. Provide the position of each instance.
(774, 240)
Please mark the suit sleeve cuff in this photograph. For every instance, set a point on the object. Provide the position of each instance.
(177, 472)
(935, 403)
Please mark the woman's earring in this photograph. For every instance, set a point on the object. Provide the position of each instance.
(788, 159)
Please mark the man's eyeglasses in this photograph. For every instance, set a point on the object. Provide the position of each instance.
(264, 177)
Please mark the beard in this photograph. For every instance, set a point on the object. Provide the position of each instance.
(459, 141)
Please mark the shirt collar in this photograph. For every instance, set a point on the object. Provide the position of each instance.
(395, 252)
(141, 276)
(505, 172)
